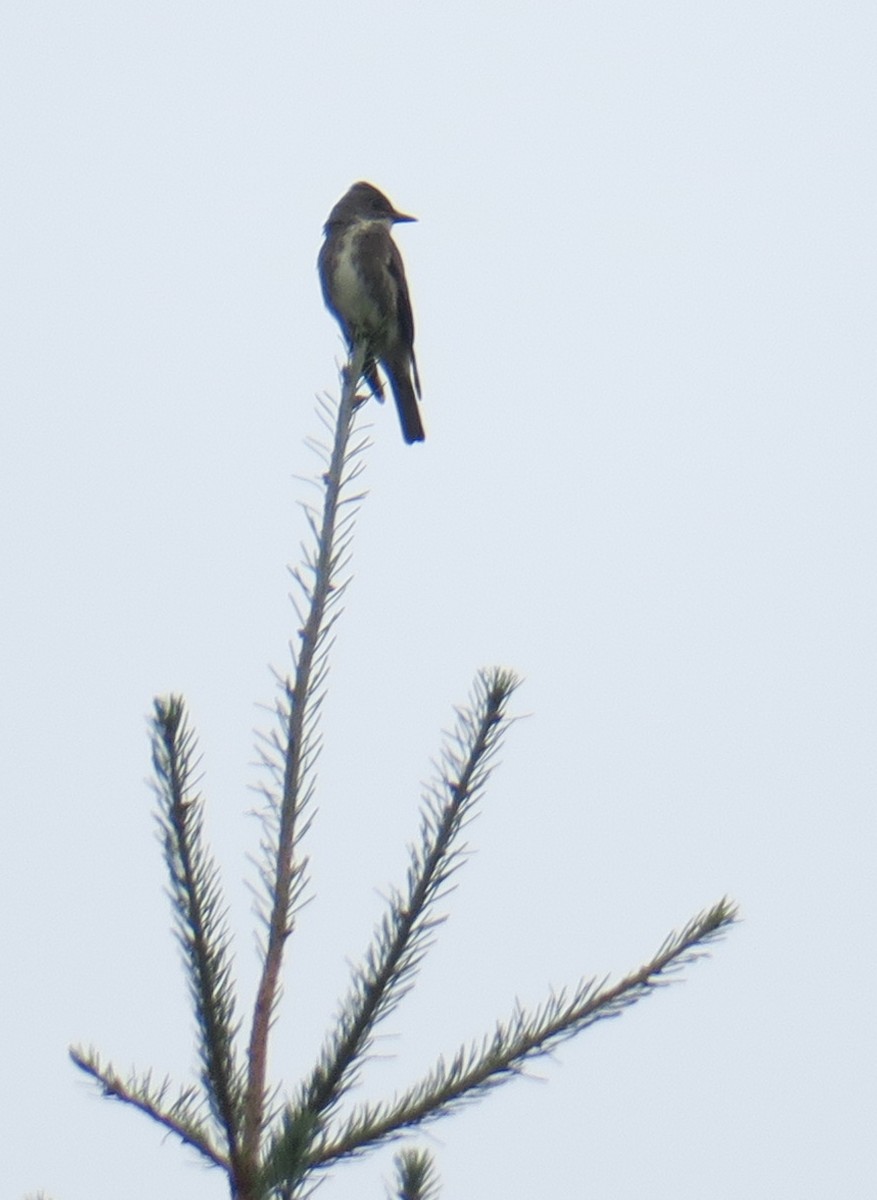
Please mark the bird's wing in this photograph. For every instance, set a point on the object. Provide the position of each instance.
(406, 316)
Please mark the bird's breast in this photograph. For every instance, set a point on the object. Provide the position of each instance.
(351, 291)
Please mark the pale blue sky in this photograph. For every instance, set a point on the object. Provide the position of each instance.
(643, 280)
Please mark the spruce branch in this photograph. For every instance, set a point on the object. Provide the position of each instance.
(199, 913)
(293, 750)
(182, 1117)
(416, 1174)
(479, 1067)
(234, 1119)
(405, 933)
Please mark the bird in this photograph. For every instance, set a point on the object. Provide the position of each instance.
(364, 287)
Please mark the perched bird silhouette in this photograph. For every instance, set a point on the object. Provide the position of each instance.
(365, 289)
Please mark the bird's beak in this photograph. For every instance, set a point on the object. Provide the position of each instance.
(397, 217)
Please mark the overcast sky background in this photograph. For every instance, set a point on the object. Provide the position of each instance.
(643, 280)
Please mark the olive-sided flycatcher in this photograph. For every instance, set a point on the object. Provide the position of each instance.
(364, 287)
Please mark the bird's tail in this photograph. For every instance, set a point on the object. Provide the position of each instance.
(405, 392)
